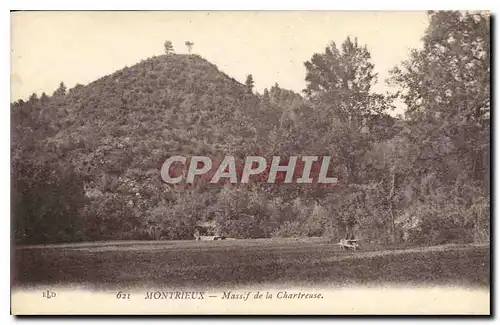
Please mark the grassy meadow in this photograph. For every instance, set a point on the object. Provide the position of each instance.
(233, 263)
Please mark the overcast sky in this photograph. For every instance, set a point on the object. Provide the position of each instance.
(79, 47)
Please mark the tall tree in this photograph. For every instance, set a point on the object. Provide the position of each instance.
(249, 83)
(189, 46)
(342, 78)
(450, 76)
(339, 83)
(446, 85)
(169, 48)
(33, 98)
(265, 96)
(44, 98)
(61, 91)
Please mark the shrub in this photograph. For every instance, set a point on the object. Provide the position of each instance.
(432, 224)
(288, 229)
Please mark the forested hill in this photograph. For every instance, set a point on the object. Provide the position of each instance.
(86, 161)
(135, 117)
(115, 133)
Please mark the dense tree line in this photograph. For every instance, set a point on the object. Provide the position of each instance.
(86, 161)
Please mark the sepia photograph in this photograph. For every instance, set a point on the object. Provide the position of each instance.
(250, 162)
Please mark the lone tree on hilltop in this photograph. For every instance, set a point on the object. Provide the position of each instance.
(169, 48)
(249, 83)
(189, 46)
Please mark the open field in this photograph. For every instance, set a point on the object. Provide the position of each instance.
(182, 264)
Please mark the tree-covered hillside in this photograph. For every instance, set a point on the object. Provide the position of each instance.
(86, 161)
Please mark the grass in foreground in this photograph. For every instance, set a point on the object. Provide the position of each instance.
(192, 264)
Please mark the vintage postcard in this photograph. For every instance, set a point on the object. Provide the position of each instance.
(218, 162)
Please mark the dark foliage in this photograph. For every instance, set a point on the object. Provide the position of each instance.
(86, 161)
